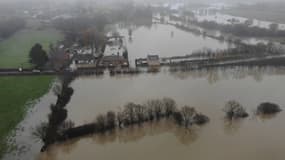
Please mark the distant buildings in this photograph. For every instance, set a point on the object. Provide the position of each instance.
(84, 60)
(115, 54)
(114, 61)
(153, 61)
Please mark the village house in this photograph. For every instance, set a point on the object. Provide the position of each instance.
(153, 61)
(83, 58)
(115, 54)
(114, 61)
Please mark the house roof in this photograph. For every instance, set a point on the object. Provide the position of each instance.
(153, 57)
(84, 57)
(113, 58)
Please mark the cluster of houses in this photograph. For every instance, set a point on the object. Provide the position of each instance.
(115, 55)
(151, 61)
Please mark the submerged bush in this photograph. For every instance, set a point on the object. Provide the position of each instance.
(234, 109)
(39, 132)
(188, 116)
(268, 108)
(200, 119)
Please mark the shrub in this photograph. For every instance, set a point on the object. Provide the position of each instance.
(268, 108)
(234, 109)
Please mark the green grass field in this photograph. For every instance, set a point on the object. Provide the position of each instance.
(15, 93)
(14, 51)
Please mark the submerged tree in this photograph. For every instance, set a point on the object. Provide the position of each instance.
(234, 109)
(268, 108)
(170, 106)
(188, 114)
(136, 114)
(39, 132)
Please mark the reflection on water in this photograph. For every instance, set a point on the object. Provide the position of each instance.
(214, 75)
(258, 137)
(137, 132)
(130, 134)
(166, 40)
(206, 90)
(232, 127)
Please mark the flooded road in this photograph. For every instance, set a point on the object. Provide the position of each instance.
(260, 138)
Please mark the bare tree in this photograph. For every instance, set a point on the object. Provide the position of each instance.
(188, 114)
(170, 106)
(39, 133)
(234, 109)
(111, 119)
(101, 122)
(156, 106)
(95, 39)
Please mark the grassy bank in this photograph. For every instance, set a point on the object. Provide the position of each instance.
(14, 51)
(15, 93)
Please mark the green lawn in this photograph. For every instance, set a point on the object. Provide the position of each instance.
(15, 92)
(14, 50)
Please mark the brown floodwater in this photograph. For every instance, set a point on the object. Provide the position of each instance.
(207, 90)
(255, 137)
(166, 41)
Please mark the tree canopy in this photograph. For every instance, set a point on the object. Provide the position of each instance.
(38, 56)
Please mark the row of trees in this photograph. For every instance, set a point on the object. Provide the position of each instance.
(242, 29)
(50, 131)
(155, 109)
(131, 114)
(242, 49)
(89, 30)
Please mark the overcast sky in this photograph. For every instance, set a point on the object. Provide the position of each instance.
(195, 1)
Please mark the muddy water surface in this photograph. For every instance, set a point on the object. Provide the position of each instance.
(260, 138)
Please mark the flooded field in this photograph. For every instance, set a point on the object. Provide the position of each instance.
(205, 14)
(165, 41)
(206, 90)
(252, 138)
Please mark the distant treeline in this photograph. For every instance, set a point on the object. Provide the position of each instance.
(76, 26)
(264, 10)
(9, 26)
(242, 29)
(242, 49)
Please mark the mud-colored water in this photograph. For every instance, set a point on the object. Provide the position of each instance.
(252, 138)
(260, 138)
